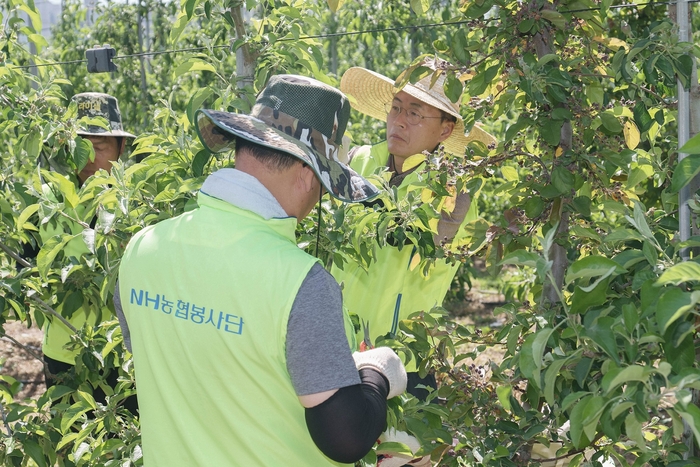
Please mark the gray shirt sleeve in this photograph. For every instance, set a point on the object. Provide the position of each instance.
(318, 354)
(122, 319)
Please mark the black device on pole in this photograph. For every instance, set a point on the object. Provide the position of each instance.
(99, 59)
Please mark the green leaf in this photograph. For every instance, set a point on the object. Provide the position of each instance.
(592, 266)
(199, 161)
(72, 414)
(32, 143)
(594, 295)
(420, 7)
(685, 171)
(640, 222)
(678, 273)
(82, 153)
(453, 87)
(525, 25)
(480, 82)
(691, 415)
(611, 122)
(527, 363)
(33, 15)
(619, 376)
(666, 68)
(550, 379)
(196, 102)
(628, 258)
(538, 347)
(601, 331)
(551, 131)
(179, 26)
(193, 64)
(634, 431)
(578, 414)
(534, 206)
(675, 304)
(562, 179)
(503, 393)
(621, 408)
(521, 124)
(65, 187)
(630, 315)
(692, 146)
(189, 8)
(554, 17)
(52, 247)
(591, 415)
(684, 69)
(35, 451)
(521, 258)
(26, 214)
(642, 117)
(509, 173)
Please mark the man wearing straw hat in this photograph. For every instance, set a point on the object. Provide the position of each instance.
(108, 145)
(240, 347)
(419, 118)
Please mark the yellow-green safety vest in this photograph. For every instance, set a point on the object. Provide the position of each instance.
(56, 334)
(392, 287)
(207, 297)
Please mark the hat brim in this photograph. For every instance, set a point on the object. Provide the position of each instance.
(368, 91)
(115, 133)
(218, 132)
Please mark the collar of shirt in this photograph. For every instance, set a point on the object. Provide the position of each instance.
(243, 191)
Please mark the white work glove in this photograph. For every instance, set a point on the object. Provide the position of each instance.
(396, 459)
(385, 361)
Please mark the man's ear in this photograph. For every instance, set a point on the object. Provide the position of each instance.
(446, 130)
(306, 177)
(123, 145)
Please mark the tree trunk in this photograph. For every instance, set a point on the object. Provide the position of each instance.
(557, 253)
(144, 85)
(245, 61)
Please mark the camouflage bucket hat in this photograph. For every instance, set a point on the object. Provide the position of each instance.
(299, 116)
(96, 104)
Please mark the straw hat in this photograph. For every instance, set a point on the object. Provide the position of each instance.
(369, 91)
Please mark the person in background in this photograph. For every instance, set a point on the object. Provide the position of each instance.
(239, 339)
(419, 118)
(108, 145)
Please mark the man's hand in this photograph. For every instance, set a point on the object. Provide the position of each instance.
(385, 361)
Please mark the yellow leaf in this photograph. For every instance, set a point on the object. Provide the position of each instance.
(449, 205)
(414, 262)
(558, 152)
(413, 161)
(335, 5)
(631, 133)
(426, 195)
(612, 42)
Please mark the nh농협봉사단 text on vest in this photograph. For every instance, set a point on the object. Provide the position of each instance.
(187, 311)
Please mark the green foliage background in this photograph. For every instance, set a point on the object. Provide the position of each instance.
(578, 202)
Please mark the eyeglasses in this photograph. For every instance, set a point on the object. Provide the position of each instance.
(412, 116)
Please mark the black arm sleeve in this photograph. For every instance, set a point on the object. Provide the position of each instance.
(346, 426)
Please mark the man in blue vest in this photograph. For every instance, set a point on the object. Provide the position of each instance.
(239, 339)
